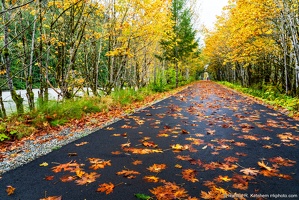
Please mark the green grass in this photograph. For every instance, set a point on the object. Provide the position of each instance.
(58, 113)
(270, 95)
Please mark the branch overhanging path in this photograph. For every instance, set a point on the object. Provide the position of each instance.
(206, 142)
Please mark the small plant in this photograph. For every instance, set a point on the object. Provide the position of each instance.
(3, 137)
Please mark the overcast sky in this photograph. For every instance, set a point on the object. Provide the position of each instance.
(208, 9)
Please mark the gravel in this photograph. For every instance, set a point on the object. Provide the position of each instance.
(42, 145)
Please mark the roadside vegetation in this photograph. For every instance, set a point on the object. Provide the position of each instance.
(269, 95)
(83, 111)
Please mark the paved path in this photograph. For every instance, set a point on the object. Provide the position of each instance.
(206, 142)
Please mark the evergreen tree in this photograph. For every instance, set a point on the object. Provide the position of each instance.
(181, 44)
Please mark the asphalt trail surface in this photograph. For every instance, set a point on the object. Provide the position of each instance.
(206, 142)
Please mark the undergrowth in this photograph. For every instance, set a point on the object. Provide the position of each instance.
(270, 95)
(58, 113)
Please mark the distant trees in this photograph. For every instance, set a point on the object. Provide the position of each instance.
(256, 43)
(181, 46)
(71, 44)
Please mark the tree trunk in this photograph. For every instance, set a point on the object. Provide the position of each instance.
(18, 100)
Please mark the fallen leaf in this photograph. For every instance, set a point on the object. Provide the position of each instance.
(250, 171)
(88, 178)
(70, 166)
(10, 190)
(142, 196)
(149, 144)
(223, 178)
(169, 191)
(178, 166)
(98, 163)
(81, 144)
(189, 175)
(264, 166)
(44, 164)
(106, 187)
(152, 179)
(67, 178)
(156, 168)
(52, 198)
(130, 174)
(49, 178)
(137, 162)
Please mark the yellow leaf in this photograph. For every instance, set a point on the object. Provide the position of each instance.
(44, 164)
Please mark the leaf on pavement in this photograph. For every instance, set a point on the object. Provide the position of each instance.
(149, 144)
(178, 166)
(106, 187)
(70, 166)
(231, 159)
(67, 178)
(152, 179)
(44, 164)
(283, 162)
(88, 178)
(142, 196)
(228, 167)
(177, 147)
(52, 198)
(250, 171)
(10, 190)
(98, 163)
(128, 144)
(156, 168)
(189, 175)
(214, 193)
(169, 191)
(137, 162)
(81, 144)
(264, 166)
(130, 174)
(223, 179)
(49, 178)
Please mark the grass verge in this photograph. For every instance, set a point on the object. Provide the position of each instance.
(55, 115)
(271, 96)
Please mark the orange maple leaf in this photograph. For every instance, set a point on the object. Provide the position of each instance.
(169, 191)
(106, 187)
(137, 162)
(81, 144)
(152, 179)
(52, 198)
(189, 175)
(98, 163)
(67, 178)
(228, 167)
(250, 171)
(70, 166)
(156, 168)
(282, 161)
(149, 144)
(88, 178)
(10, 190)
(130, 174)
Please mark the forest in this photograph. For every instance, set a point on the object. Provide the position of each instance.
(103, 45)
(255, 43)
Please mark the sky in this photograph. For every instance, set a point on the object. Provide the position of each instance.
(208, 9)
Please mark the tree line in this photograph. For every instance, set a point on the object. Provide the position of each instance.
(101, 45)
(255, 43)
